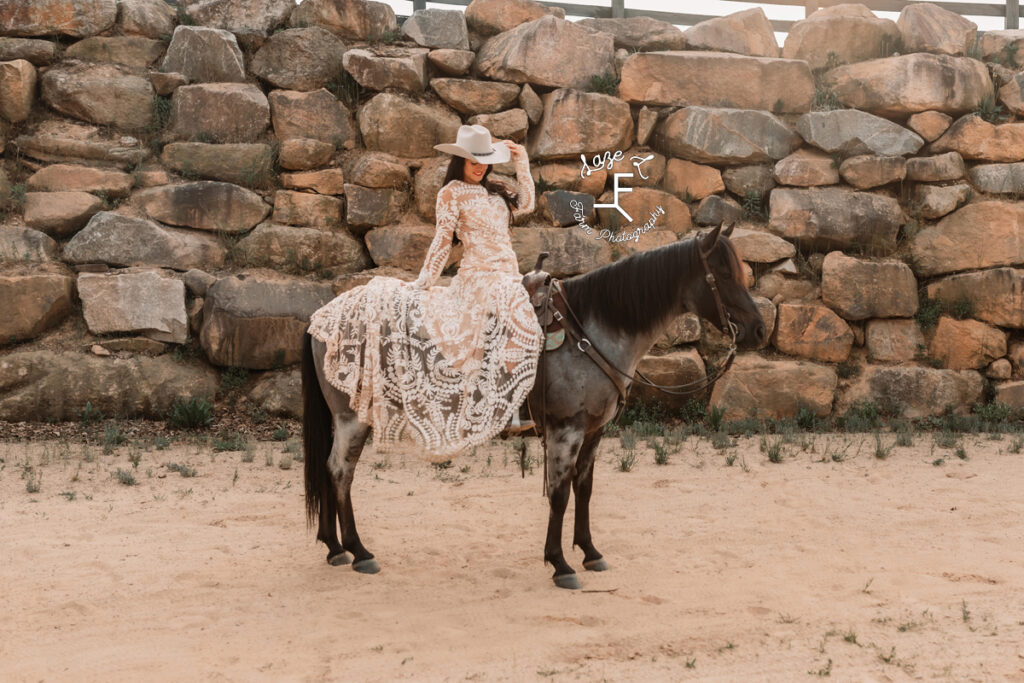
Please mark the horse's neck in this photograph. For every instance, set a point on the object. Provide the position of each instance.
(624, 351)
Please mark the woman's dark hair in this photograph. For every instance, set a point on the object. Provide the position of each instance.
(456, 171)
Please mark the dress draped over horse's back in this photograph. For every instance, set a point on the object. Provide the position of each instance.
(432, 368)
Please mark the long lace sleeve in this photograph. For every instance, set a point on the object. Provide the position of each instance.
(447, 212)
(527, 196)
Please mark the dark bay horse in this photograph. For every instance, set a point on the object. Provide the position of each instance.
(623, 309)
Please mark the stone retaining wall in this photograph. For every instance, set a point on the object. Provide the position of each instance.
(181, 186)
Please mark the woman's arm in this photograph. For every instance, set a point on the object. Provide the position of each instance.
(437, 255)
(527, 196)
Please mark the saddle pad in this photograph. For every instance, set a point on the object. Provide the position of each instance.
(554, 340)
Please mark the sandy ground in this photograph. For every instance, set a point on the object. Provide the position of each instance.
(863, 569)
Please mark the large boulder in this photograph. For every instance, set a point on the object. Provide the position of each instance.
(100, 93)
(979, 235)
(936, 201)
(147, 303)
(747, 32)
(118, 240)
(60, 214)
(77, 18)
(648, 209)
(758, 246)
(452, 62)
(357, 19)
(317, 115)
(925, 27)
(849, 31)
(38, 52)
(475, 97)
(762, 388)
(676, 368)
(929, 124)
(249, 164)
(893, 340)
(995, 296)
(19, 243)
(34, 299)
(307, 209)
(303, 154)
(966, 344)
(399, 125)
(906, 84)
(384, 68)
(850, 132)
(149, 18)
(301, 249)
(571, 251)
(400, 246)
(279, 393)
(73, 177)
(974, 138)
(133, 51)
(324, 181)
(835, 218)
(369, 207)
(17, 89)
(255, 18)
(724, 136)
(577, 123)
(219, 112)
(717, 79)
(489, 17)
(1011, 393)
(48, 385)
(998, 178)
(639, 34)
(812, 331)
(937, 168)
(548, 52)
(686, 179)
(61, 142)
(205, 205)
(205, 55)
(256, 321)
(379, 170)
(300, 59)
(859, 289)
(438, 28)
(867, 170)
(913, 392)
(806, 168)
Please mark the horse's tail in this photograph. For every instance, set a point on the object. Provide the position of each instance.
(317, 435)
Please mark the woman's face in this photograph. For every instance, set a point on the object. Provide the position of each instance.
(473, 172)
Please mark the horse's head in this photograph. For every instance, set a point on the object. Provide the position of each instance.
(721, 288)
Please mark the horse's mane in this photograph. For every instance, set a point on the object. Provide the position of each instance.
(638, 293)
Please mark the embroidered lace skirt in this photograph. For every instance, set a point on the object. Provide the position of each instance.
(434, 371)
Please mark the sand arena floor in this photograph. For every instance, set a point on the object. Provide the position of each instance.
(863, 569)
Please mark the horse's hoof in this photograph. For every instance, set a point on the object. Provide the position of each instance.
(598, 565)
(568, 581)
(368, 566)
(340, 559)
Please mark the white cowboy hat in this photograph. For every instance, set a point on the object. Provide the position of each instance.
(474, 142)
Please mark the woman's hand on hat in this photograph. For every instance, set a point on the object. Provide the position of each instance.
(515, 149)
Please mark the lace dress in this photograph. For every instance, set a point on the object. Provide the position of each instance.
(440, 369)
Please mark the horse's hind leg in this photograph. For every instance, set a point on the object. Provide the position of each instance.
(327, 530)
(583, 485)
(349, 438)
(563, 445)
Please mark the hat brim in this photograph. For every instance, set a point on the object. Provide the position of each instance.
(499, 154)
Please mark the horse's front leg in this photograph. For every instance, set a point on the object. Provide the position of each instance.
(349, 438)
(563, 446)
(583, 485)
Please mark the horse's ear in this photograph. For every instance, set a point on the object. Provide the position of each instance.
(728, 231)
(709, 240)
